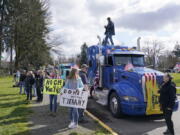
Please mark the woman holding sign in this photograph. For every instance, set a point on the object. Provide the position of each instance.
(53, 97)
(74, 82)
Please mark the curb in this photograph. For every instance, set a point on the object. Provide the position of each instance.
(101, 123)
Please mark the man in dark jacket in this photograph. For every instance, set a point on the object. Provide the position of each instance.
(83, 75)
(22, 82)
(29, 81)
(39, 85)
(109, 31)
(167, 102)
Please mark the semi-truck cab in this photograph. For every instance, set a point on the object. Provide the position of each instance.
(64, 69)
(125, 85)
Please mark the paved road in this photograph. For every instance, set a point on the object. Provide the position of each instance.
(153, 125)
(41, 123)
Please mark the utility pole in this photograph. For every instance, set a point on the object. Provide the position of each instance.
(138, 44)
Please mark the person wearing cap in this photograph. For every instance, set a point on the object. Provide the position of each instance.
(167, 102)
(83, 75)
(109, 31)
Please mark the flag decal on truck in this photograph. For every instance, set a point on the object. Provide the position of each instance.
(152, 95)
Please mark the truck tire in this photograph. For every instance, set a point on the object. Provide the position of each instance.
(114, 106)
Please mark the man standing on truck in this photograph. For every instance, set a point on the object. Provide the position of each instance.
(83, 75)
(109, 31)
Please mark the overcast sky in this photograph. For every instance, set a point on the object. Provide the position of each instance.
(79, 21)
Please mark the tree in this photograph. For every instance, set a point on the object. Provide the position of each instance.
(4, 10)
(177, 49)
(26, 31)
(83, 55)
(167, 60)
(55, 45)
(152, 50)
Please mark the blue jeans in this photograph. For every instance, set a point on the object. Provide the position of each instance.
(110, 38)
(34, 89)
(29, 92)
(53, 103)
(22, 86)
(74, 115)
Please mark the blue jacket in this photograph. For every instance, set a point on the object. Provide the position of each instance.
(74, 84)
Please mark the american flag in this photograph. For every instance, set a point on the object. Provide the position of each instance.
(96, 80)
(128, 67)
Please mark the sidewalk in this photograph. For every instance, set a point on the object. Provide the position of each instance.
(43, 124)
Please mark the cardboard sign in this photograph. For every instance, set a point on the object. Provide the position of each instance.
(74, 98)
(52, 86)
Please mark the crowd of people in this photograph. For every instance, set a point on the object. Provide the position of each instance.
(33, 81)
(31, 84)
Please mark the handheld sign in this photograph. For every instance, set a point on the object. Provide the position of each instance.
(74, 98)
(52, 86)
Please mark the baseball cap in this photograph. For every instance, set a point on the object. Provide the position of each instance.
(84, 66)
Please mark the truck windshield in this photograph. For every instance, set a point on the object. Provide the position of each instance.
(65, 67)
(136, 60)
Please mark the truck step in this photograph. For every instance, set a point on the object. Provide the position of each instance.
(102, 96)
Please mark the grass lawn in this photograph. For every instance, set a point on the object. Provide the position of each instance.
(13, 109)
(176, 79)
(178, 91)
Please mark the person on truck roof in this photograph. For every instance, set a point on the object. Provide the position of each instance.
(109, 31)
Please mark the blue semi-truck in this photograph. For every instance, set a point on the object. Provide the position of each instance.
(125, 85)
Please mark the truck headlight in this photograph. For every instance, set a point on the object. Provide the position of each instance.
(129, 98)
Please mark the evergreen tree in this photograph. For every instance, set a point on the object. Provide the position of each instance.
(27, 29)
(4, 10)
(83, 55)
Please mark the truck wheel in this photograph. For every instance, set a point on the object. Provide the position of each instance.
(114, 105)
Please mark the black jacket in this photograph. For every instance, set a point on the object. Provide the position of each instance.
(168, 95)
(39, 81)
(22, 77)
(83, 76)
(29, 81)
(109, 29)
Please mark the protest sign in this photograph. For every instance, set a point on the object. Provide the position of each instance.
(74, 98)
(52, 86)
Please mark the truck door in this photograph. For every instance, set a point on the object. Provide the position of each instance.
(107, 72)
